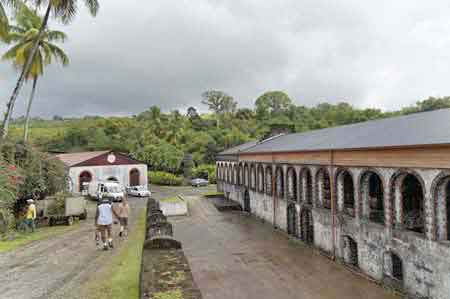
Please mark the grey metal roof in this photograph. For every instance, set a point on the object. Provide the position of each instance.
(239, 148)
(426, 128)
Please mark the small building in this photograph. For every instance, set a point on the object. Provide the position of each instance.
(375, 195)
(100, 166)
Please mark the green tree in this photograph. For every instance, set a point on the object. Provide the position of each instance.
(272, 103)
(22, 36)
(61, 9)
(219, 102)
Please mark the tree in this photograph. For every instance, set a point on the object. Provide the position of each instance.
(61, 9)
(22, 36)
(272, 103)
(219, 102)
(4, 26)
(192, 113)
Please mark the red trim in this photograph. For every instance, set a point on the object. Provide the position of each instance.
(102, 160)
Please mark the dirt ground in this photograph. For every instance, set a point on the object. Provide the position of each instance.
(236, 256)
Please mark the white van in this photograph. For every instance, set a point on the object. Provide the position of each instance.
(110, 190)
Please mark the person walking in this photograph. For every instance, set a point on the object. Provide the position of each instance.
(31, 215)
(103, 221)
(122, 210)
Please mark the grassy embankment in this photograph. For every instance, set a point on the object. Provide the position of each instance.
(22, 239)
(120, 279)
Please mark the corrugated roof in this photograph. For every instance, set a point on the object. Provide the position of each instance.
(76, 158)
(426, 128)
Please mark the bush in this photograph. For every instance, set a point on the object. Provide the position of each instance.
(206, 171)
(164, 178)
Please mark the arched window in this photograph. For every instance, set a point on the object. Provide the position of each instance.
(441, 194)
(323, 189)
(246, 180)
(345, 192)
(134, 177)
(306, 188)
(292, 184)
(84, 178)
(261, 181)
(372, 197)
(269, 180)
(240, 175)
(397, 267)
(413, 204)
(279, 182)
(253, 177)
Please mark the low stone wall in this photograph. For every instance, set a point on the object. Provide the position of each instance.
(165, 271)
(174, 208)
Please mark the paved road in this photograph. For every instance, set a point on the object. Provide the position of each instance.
(56, 267)
(234, 256)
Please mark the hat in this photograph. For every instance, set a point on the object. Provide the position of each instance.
(30, 200)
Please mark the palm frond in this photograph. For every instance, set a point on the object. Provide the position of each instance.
(4, 25)
(93, 6)
(56, 36)
(59, 54)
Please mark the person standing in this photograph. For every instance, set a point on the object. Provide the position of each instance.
(122, 211)
(31, 215)
(103, 221)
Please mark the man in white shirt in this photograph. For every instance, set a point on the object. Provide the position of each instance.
(103, 221)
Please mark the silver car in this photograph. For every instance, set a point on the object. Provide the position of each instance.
(199, 182)
(139, 191)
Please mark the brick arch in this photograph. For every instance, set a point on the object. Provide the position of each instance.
(269, 180)
(395, 183)
(252, 176)
(291, 184)
(246, 181)
(441, 206)
(363, 175)
(326, 200)
(261, 178)
(307, 196)
(349, 202)
(240, 170)
(279, 182)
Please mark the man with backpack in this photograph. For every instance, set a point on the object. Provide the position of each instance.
(104, 221)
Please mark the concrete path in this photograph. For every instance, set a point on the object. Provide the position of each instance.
(234, 256)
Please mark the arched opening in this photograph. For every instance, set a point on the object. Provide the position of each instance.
(345, 192)
(349, 191)
(307, 226)
(413, 204)
(372, 197)
(134, 177)
(292, 220)
(246, 181)
(323, 189)
(306, 188)
(261, 181)
(441, 200)
(239, 174)
(292, 184)
(84, 178)
(350, 251)
(252, 177)
(247, 201)
(279, 182)
(269, 180)
(397, 267)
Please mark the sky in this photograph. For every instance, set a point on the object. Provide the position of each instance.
(384, 54)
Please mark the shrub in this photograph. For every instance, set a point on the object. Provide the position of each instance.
(164, 178)
(206, 171)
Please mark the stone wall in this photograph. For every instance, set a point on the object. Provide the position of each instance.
(363, 237)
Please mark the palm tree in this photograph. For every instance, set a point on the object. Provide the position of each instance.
(23, 36)
(61, 9)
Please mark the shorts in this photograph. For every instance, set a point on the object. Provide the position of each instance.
(123, 221)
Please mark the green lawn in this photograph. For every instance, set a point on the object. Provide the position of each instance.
(120, 279)
(23, 239)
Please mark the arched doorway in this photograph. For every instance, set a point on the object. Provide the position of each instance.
(350, 251)
(292, 220)
(307, 226)
(323, 189)
(247, 201)
(306, 187)
(85, 177)
(134, 177)
(413, 204)
(371, 188)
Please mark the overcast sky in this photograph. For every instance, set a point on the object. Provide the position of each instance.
(384, 54)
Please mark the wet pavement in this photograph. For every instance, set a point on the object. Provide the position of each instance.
(235, 256)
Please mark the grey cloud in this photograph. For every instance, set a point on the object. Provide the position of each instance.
(167, 53)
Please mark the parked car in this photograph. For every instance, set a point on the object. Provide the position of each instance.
(139, 191)
(199, 182)
(110, 190)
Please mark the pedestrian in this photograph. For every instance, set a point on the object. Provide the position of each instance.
(31, 215)
(103, 221)
(122, 211)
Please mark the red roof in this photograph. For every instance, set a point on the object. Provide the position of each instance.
(99, 158)
(77, 158)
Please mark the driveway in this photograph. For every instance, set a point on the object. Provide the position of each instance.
(236, 256)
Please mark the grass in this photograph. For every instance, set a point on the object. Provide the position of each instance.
(22, 239)
(174, 199)
(212, 194)
(121, 278)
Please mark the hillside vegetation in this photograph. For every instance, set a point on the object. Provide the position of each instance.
(162, 139)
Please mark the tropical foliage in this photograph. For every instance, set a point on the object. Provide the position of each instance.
(164, 178)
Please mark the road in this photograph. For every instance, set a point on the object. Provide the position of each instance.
(237, 256)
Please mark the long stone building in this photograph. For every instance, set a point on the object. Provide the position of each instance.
(375, 195)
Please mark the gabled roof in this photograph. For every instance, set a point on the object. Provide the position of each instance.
(76, 158)
(426, 128)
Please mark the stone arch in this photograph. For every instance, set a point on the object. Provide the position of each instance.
(407, 195)
(393, 269)
(350, 250)
(371, 194)
(306, 186)
(292, 184)
(247, 207)
(345, 191)
(261, 180)
(240, 174)
(246, 173)
(84, 177)
(440, 191)
(269, 180)
(307, 226)
(279, 182)
(253, 176)
(292, 226)
(323, 188)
